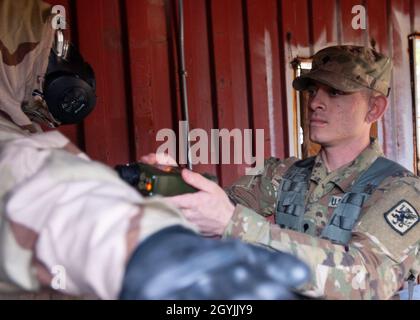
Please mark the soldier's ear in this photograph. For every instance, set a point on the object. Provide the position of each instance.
(377, 107)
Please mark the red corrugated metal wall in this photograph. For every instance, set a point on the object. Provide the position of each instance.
(237, 58)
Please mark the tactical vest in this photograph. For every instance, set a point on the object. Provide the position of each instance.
(294, 187)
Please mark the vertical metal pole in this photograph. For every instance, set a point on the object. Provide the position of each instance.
(183, 80)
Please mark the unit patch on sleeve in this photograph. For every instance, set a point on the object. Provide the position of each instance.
(402, 217)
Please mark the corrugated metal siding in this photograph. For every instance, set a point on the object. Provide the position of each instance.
(237, 58)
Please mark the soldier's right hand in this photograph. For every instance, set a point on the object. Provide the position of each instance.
(159, 158)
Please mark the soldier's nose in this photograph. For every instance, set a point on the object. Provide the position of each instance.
(316, 103)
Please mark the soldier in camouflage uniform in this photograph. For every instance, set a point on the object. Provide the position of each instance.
(65, 217)
(348, 88)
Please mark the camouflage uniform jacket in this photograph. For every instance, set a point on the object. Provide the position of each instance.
(64, 214)
(382, 251)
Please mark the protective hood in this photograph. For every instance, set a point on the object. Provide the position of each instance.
(26, 38)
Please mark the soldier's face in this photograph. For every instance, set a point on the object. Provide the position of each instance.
(337, 117)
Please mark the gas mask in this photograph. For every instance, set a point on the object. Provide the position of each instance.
(67, 91)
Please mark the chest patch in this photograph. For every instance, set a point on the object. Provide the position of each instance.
(334, 201)
(402, 217)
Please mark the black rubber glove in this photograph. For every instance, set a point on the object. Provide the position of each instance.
(176, 263)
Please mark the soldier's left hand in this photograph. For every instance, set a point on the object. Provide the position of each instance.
(208, 209)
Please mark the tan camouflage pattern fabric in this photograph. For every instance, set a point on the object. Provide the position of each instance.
(377, 260)
(349, 69)
(59, 208)
(26, 37)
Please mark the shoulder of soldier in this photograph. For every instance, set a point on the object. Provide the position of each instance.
(402, 182)
(392, 214)
(275, 168)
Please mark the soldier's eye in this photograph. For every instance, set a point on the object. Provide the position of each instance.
(312, 92)
(335, 93)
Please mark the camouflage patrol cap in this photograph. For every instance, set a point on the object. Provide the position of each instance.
(348, 69)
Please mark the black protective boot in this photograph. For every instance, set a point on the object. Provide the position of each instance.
(176, 263)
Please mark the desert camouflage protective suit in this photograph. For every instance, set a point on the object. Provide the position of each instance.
(385, 245)
(71, 224)
(49, 189)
